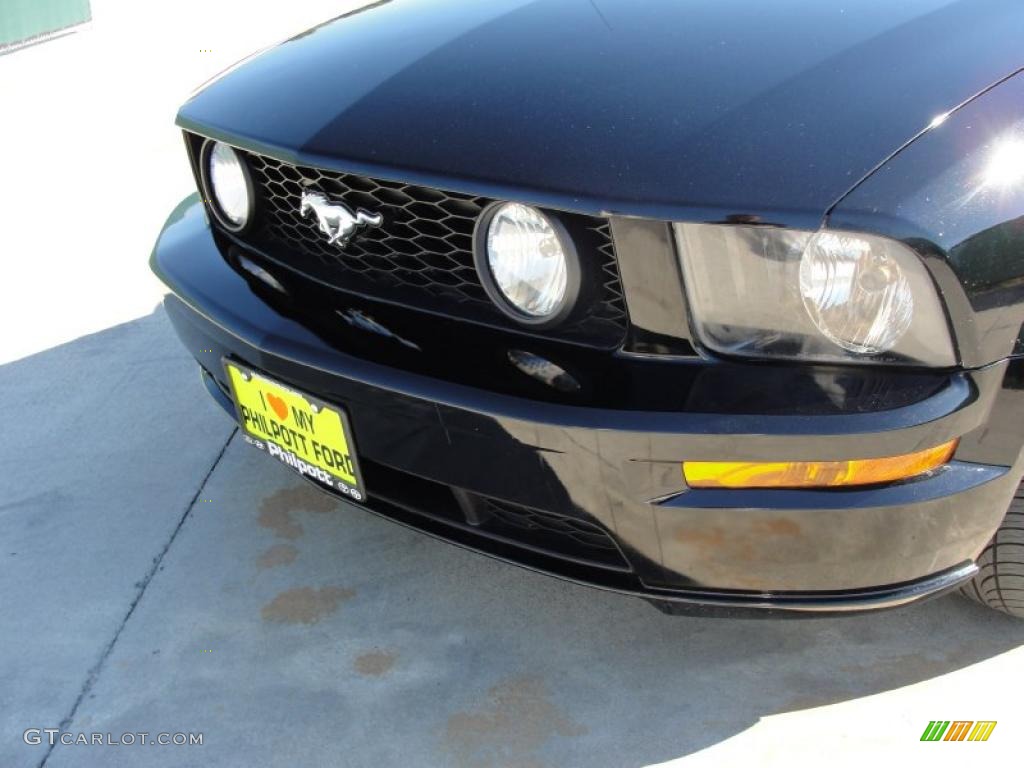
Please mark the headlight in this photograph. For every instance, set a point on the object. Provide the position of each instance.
(228, 185)
(829, 296)
(527, 264)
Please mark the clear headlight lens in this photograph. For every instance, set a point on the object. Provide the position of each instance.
(828, 295)
(527, 261)
(229, 185)
(856, 293)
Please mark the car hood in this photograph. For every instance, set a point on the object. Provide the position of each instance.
(673, 108)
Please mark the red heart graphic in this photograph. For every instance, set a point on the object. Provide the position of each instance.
(280, 406)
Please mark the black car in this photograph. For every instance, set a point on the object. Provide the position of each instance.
(716, 303)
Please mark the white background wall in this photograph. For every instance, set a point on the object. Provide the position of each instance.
(91, 162)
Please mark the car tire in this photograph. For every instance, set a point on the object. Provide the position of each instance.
(999, 582)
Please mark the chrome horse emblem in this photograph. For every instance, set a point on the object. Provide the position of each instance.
(336, 220)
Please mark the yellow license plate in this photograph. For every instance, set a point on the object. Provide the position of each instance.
(301, 431)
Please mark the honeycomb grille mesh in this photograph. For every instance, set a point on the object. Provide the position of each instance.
(422, 254)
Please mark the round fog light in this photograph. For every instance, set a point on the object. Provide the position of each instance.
(228, 186)
(527, 264)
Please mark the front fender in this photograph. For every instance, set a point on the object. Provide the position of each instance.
(956, 195)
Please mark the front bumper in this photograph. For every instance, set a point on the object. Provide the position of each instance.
(615, 471)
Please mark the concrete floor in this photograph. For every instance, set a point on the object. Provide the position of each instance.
(157, 574)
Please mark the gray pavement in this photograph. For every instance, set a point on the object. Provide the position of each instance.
(158, 575)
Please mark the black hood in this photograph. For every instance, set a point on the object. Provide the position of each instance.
(668, 108)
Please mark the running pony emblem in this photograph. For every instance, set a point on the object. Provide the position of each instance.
(336, 220)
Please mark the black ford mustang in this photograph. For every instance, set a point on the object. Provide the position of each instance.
(718, 303)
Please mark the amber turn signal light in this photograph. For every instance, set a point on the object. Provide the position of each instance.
(814, 474)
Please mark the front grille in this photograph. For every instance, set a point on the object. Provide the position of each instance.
(565, 536)
(548, 534)
(422, 255)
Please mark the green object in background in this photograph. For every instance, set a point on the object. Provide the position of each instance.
(22, 20)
